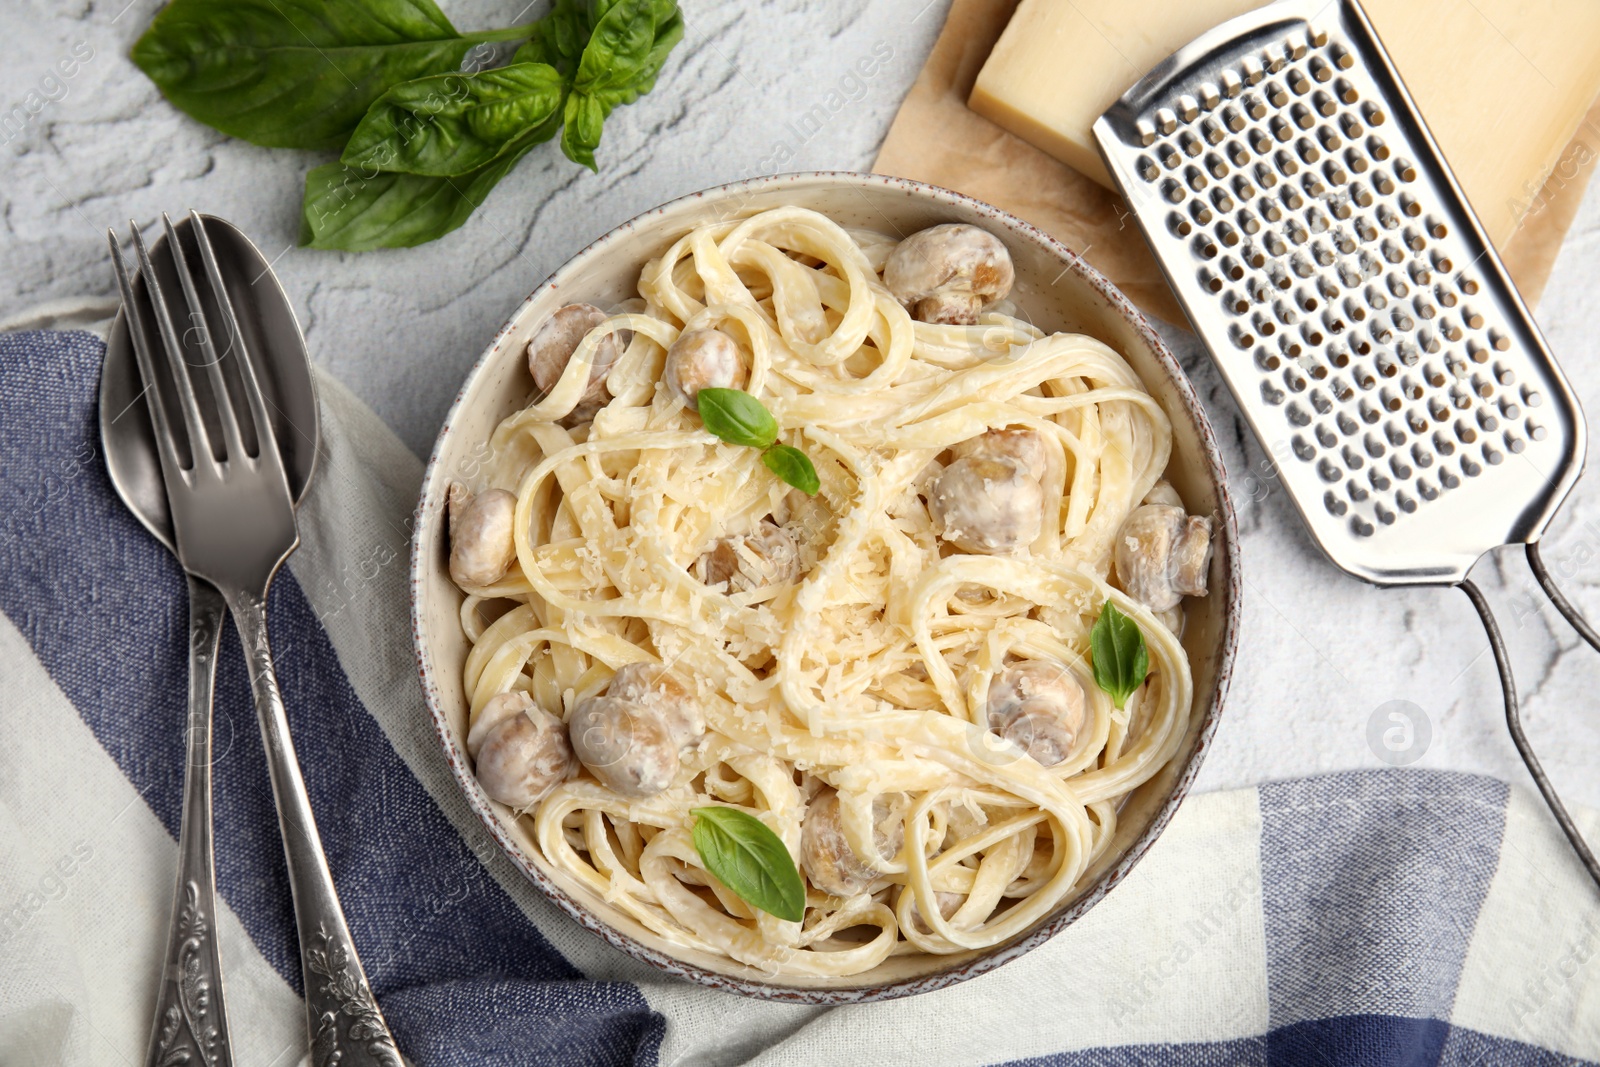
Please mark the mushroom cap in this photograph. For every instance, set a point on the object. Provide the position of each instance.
(1023, 445)
(628, 746)
(1161, 555)
(481, 543)
(949, 273)
(768, 555)
(702, 359)
(987, 504)
(830, 863)
(553, 344)
(523, 757)
(1040, 706)
(655, 688)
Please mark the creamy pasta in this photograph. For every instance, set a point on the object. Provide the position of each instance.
(858, 665)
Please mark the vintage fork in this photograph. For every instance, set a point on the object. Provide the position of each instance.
(233, 523)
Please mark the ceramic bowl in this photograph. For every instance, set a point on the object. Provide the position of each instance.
(1056, 290)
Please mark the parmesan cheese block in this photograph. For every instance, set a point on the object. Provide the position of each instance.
(1503, 84)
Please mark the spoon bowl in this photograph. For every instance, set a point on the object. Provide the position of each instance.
(267, 323)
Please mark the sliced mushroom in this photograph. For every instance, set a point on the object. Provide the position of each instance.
(552, 347)
(987, 504)
(481, 545)
(949, 273)
(702, 359)
(657, 689)
(1039, 705)
(767, 555)
(830, 863)
(520, 751)
(1161, 555)
(1024, 445)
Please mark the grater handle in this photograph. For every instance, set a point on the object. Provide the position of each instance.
(1508, 688)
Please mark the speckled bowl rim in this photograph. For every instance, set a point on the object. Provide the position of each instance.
(1112, 876)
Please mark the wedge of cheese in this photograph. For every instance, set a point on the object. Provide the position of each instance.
(1503, 84)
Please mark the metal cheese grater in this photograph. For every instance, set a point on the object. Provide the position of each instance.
(1327, 258)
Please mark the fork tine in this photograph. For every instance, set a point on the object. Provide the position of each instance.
(199, 442)
(266, 437)
(146, 363)
(232, 441)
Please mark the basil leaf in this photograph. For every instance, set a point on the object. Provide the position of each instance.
(359, 210)
(737, 417)
(750, 860)
(558, 39)
(793, 466)
(292, 73)
(451, 124)
(1121, 660)
(618, 46)
(580, 136)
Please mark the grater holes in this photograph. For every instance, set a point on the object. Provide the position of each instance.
(1344, 91)
(1335, 506)
(1302, 116)
(1514, 444)
(1190, 144)
(1421, 455)
(1532, 397)
(1535, 431)
(1212, 130)
(1215, 164)
(1302, 448)
(1325, 436)
(1427, 490)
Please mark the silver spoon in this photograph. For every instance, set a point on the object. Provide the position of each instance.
(190, 1015)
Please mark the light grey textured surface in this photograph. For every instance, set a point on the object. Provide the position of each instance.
(1320, 652)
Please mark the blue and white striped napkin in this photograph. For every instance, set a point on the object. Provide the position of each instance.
(1392, 917)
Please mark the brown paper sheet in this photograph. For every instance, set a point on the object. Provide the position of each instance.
(936, 138)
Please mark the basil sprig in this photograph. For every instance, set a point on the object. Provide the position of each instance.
(750, 860)
(1121, 659)
(740, 419)
(423, 142)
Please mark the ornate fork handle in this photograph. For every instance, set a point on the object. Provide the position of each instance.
(345, 1024)
(191, 1024)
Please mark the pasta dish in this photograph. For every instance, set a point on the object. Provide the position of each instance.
(892, 673)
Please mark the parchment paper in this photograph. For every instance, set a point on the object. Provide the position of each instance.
(936, 138)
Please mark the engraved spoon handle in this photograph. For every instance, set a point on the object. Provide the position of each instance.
(191, 1023)
(345, 1024)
